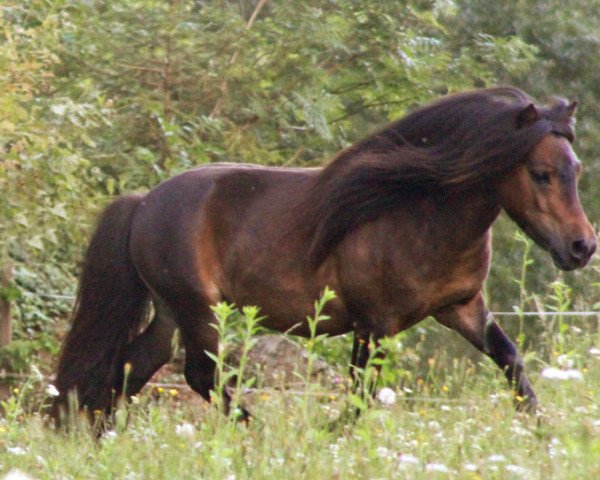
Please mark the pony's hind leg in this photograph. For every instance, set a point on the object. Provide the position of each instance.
(148, 352)
(200, 339)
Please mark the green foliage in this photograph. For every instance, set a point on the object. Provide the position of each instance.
(560, 36)
(100, 98)
(236, 330)
(313, 340)
(190, 83)
(457, 421)
(44, 173)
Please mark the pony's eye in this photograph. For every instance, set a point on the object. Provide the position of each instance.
(542, 178)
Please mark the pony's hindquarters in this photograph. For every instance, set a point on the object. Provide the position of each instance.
(111, 304)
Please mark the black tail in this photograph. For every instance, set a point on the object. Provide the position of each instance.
(111, 304)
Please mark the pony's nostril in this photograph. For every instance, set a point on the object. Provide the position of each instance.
(581, 249)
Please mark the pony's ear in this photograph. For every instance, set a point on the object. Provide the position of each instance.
(527, 116)
(571, 108)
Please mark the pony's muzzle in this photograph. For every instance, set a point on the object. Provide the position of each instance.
(576, 253)
(582, 249)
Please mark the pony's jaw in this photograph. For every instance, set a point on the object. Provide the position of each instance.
(562, 249)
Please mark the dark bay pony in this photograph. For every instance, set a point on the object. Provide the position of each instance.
(398, 225)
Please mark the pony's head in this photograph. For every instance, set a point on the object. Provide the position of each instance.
(540, 195)
(493, 141)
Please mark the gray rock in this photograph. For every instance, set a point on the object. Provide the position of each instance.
(278, 362)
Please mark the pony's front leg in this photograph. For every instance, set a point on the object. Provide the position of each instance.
(360, 357)
(474, 322)
(365, 382)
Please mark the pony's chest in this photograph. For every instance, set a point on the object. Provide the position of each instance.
(450, 280)
(406, 284)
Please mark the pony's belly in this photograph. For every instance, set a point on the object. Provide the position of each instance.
(288, 313)
(337, 324)
(450, 292)
(286, 296)
(398, 308)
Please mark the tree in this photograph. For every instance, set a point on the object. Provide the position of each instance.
(101, 98)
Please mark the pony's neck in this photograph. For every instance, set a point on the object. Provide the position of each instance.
(466, 217)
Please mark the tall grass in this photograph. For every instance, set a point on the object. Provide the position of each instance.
(453, 416)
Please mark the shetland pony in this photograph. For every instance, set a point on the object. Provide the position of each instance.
(398, 225)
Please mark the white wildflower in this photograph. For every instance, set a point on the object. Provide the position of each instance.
(437, 467)
(185, 430)
(555, 448)
(470, 467)
(518, 470)
(16, 475)
(445, 408)
(433, 425)
(109, 435)
(382, 452)
(517, 429)
(334, 448)
(551, 373)
(408, 459)
(497, 458)
(17, 450)
(565, 362)
(52, 391)
(132, 476)
(574, 374)
(387, 396)
(594, 351)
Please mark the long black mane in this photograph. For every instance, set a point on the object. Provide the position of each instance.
(460, 141)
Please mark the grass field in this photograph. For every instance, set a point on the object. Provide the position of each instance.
(451, 418)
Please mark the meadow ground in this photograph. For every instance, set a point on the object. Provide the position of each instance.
(450, 418)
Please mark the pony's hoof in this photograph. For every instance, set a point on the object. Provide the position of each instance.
(346, 420)
(242, 415)
(528, 405)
